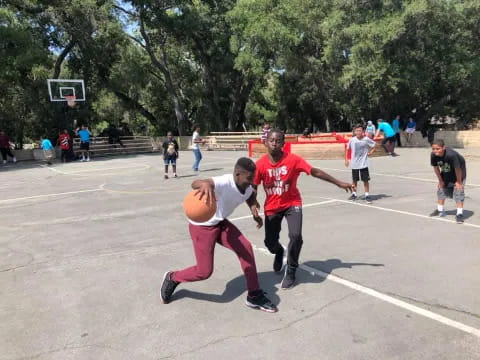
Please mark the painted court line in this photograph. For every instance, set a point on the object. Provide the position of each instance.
(6, 201)
(399, 176)
(139, 167)
(374, 293)
(303, 206)
(436, 218)
(389, 299)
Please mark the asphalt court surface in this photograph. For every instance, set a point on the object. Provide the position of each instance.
(84, 247)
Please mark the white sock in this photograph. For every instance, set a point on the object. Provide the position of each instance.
(354, 193)
(440, 207)
(459, 211)
(366, 194)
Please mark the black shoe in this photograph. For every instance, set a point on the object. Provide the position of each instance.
(438, 213)
(368, 199)
(278, 262)
(352, 197)
(168, 287)
(261, 302)
(459, 218)
(289, 277)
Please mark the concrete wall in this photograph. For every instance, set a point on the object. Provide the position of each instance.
(456, 139)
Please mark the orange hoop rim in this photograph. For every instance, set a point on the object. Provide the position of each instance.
(70, 100)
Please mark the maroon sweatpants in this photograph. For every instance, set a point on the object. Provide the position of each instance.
(204, 239)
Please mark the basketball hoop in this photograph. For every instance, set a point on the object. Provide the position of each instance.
(70, 100)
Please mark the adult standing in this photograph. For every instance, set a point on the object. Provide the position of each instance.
(396, 128)
(5, 147)
(196, 141)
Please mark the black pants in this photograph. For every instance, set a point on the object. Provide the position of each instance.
(5, 152)
(397, 137)
(273, 226)
(65, 154)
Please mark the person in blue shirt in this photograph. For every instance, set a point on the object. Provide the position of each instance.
(396, 128)
(47, 148)
(84, 135)
(410, 130)
(388, 142)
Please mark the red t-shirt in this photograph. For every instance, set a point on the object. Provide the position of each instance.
(280, 181)
(63, 140)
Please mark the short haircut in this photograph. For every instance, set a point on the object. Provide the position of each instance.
(358, 126)
(169, 133)
(439, 142)
(246, 164)
(278, 131)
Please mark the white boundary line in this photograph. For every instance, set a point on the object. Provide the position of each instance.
(389, 299)
(7, 201)
(374, 293)
(398, 176)
(137, 167)
(436, 218)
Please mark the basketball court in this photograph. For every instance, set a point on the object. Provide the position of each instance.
(84, 247)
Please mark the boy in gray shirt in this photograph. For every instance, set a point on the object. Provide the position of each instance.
(361, 147)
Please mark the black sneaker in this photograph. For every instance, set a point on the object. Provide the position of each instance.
(168, 287)
(278, 261)
(368, 199)
(289, 277)
(352, 197)
(261, 302)
(166, 176)
(438, 213)
(459, 218)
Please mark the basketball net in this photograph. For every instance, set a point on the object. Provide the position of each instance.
(70, 100)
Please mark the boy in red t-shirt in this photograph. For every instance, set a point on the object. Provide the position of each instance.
(64, 142)
(279, 171)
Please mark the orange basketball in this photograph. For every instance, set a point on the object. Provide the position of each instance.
(197, 210)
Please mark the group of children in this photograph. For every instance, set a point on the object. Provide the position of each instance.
(64, 141)
(278, 172)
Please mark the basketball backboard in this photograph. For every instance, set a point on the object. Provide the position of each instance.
(61, 89)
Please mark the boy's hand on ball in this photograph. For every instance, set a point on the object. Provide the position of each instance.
(206, 193)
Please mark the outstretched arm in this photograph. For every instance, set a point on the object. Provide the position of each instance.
(322, 175)
(206, 189)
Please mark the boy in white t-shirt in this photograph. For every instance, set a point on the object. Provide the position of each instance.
(361, 147)
(229, 191)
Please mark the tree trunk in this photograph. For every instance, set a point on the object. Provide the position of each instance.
(239, 103)
(170, 86)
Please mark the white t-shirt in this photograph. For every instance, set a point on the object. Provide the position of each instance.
(195, 136)
(360, 149)
(228, 198)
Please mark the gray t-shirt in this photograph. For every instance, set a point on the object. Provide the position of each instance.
(360, 148)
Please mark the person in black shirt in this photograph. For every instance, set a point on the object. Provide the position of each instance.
(449, 167)
(170, 154)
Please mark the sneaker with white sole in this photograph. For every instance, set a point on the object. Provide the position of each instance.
(168, 287)
(258, 300)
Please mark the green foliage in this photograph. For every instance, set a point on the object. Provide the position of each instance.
(227, 64)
